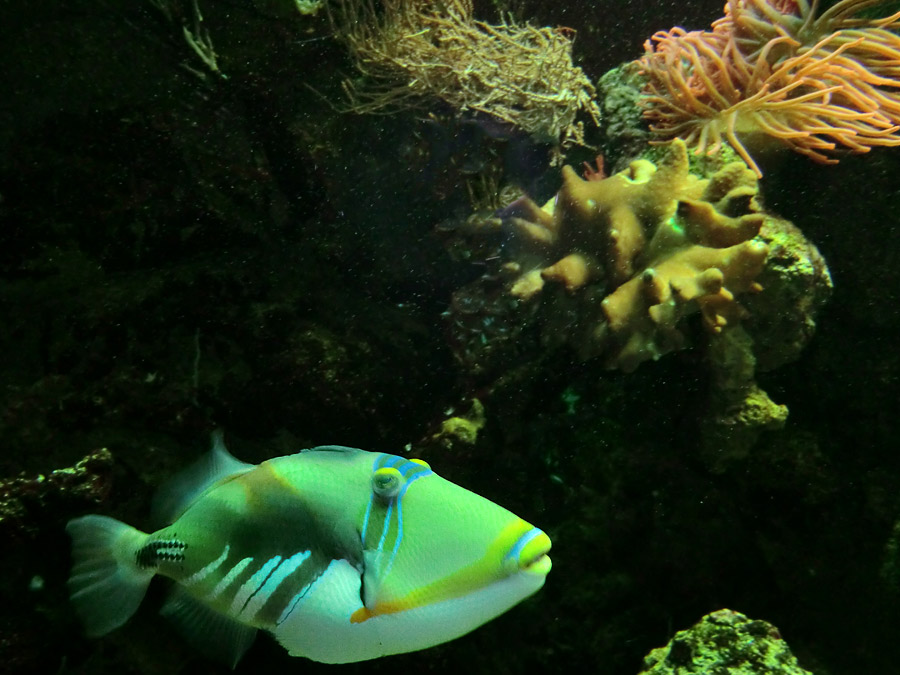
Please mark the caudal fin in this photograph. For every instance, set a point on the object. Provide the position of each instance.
(106, 585)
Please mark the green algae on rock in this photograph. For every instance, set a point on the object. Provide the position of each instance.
(461, 429)
(725, 642)
(88, 482)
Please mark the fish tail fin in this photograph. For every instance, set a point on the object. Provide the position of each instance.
(107, 584)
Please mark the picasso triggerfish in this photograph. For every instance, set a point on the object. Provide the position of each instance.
(343, 555)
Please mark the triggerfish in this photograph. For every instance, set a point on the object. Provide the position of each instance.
(343, 555)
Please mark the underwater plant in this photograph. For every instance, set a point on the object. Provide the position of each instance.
(779, 69)
(415, 51)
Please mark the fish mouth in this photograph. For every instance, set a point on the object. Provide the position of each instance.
(539, 565)
(533, 548)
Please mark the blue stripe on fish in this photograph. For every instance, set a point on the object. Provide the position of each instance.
(273, 582)
(516, 550)
(292, 605)
(252, 586)
(229, 578)
(205, 571)
(365, 524)
(386, 524)
(410, 471)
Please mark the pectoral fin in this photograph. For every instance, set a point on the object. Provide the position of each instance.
(371, 577)
(215, 635)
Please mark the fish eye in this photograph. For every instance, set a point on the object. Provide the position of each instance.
(386, 482)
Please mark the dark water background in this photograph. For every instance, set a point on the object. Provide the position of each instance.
(180, 252)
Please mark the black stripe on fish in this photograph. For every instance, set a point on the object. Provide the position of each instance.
(156, 552)
(289, 593)
(260, 586)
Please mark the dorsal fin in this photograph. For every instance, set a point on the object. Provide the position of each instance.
(331, 448)
(174, 497)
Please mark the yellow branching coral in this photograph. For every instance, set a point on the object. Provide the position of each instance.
(415, 51)
(662, 242)
(782, 69)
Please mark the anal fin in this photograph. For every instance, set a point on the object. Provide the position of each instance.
(212, 633)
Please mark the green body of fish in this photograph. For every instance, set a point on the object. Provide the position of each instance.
(343, 555)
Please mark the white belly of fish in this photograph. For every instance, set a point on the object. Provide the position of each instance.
(319, 628)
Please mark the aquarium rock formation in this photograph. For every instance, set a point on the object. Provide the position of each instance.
(725, 642)
(25, 502)
(797, 285)
(630, 267)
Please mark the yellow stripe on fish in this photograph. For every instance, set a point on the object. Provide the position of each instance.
(520, 547)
